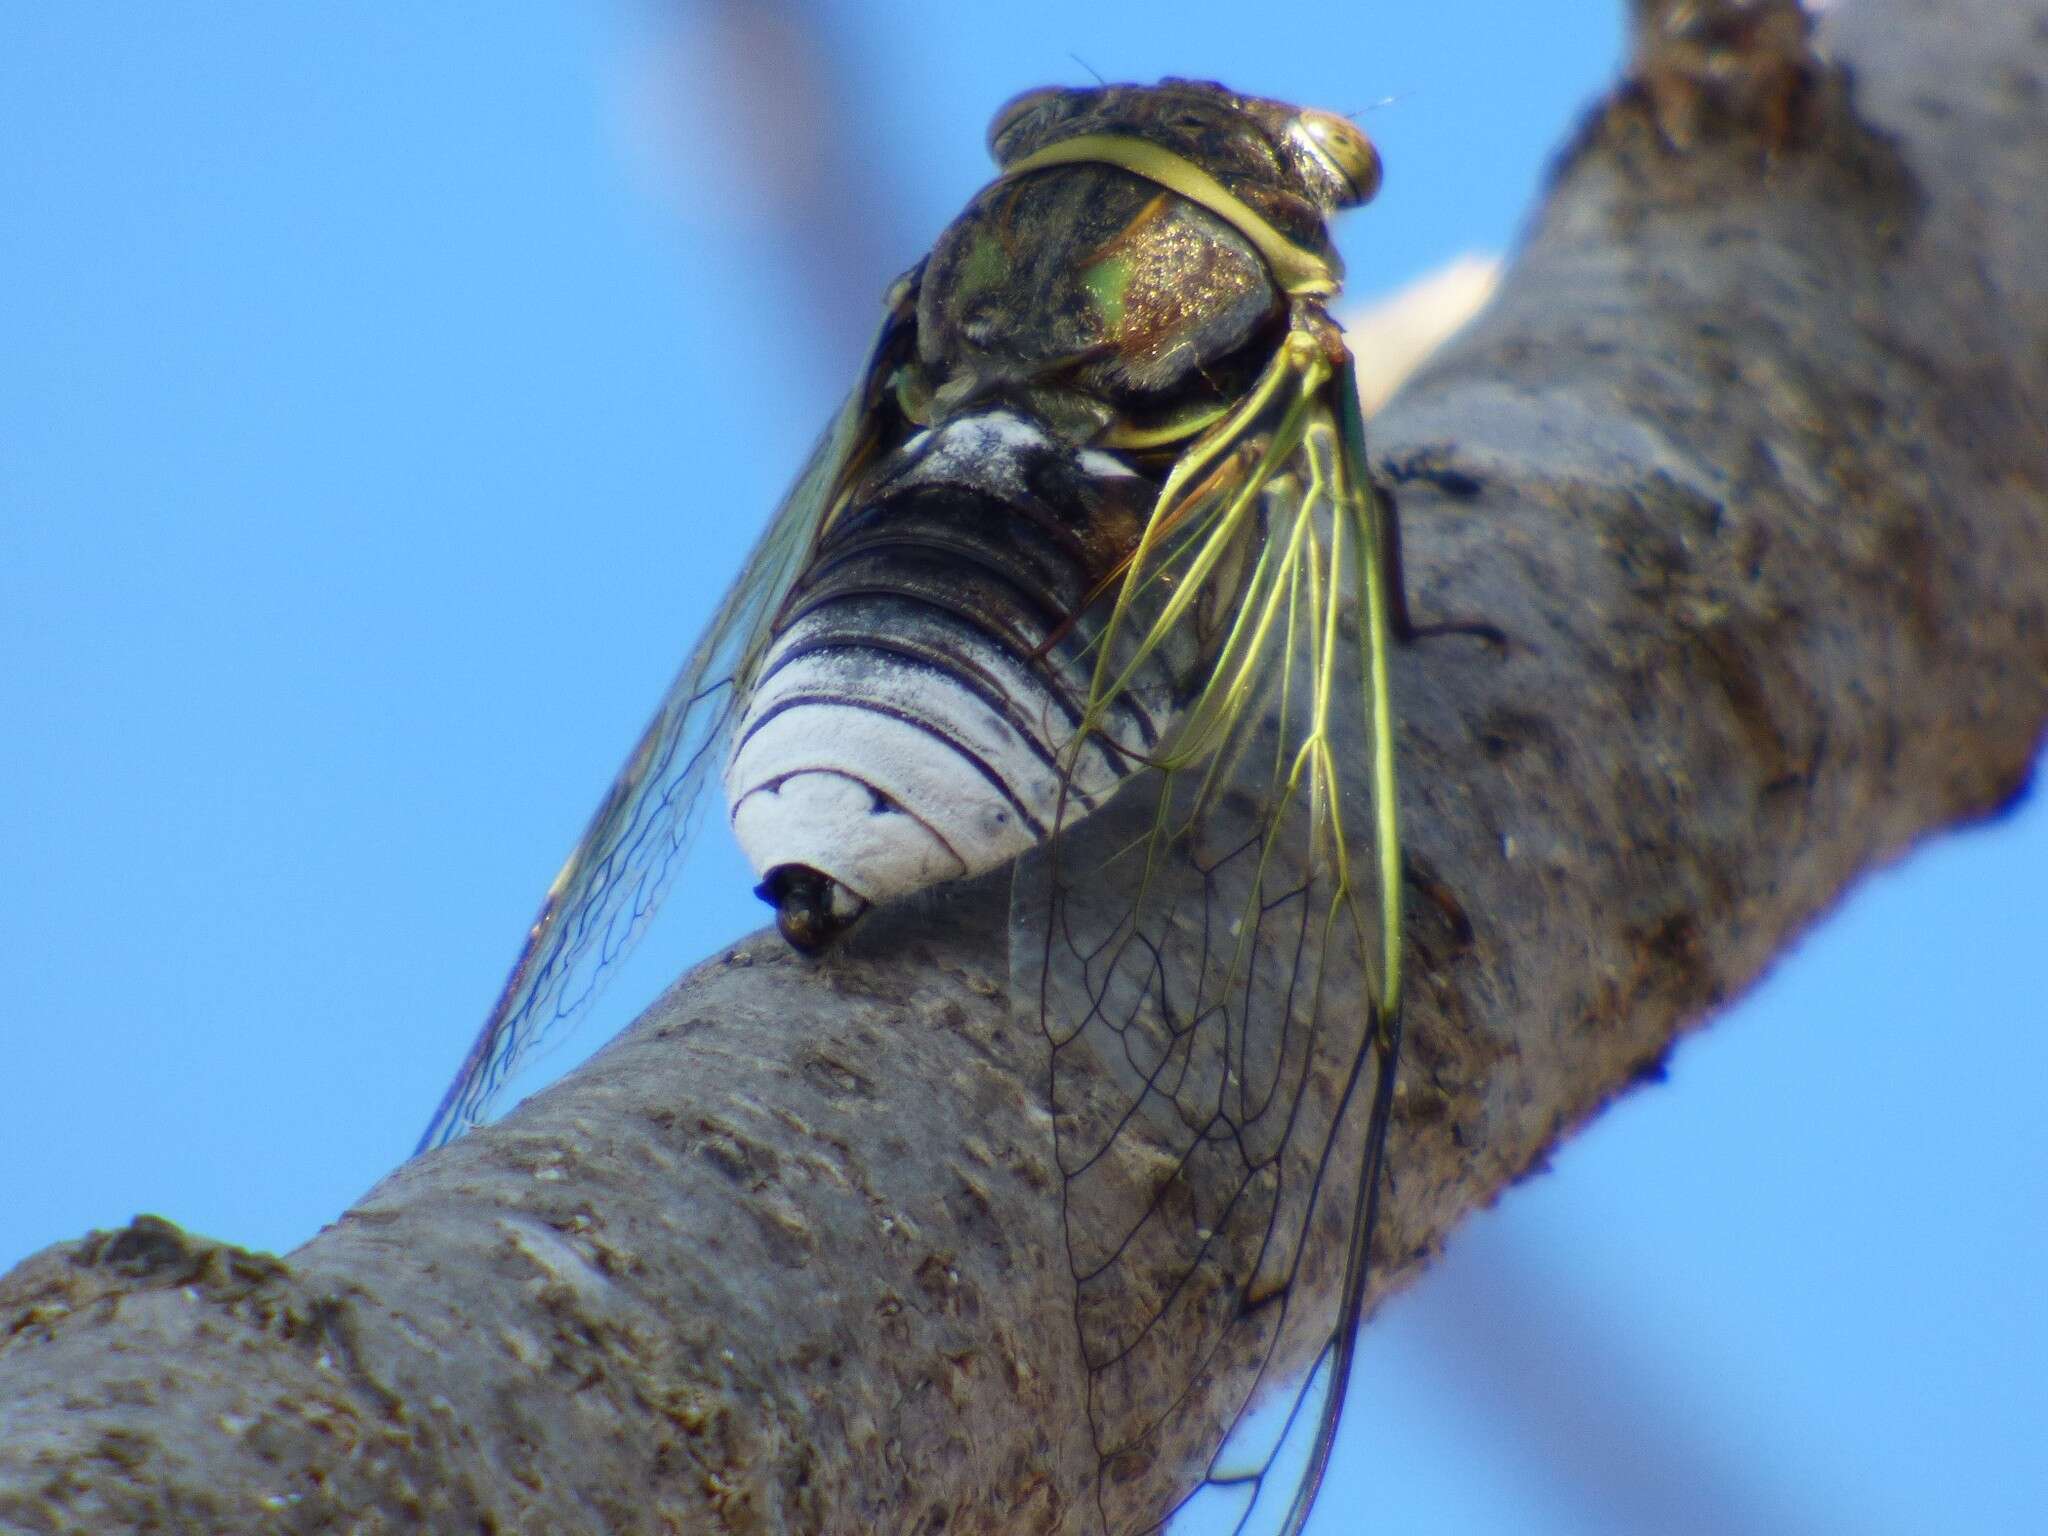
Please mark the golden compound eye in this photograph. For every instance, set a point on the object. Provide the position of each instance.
(1013, 112)
(1341, 145)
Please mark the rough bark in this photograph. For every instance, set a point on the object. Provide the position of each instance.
(1747, 460)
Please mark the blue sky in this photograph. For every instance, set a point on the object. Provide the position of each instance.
(387, 396)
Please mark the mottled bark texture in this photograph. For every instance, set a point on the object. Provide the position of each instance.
(1747, 460)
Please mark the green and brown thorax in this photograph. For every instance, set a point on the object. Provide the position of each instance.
(1103, 302)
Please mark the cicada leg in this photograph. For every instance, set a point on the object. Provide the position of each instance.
(1400, 625)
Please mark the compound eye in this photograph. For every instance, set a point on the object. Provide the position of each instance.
(1013, 112)
(1342, 146)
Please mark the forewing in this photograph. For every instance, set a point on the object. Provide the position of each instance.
(1207, 958)
(601, 900)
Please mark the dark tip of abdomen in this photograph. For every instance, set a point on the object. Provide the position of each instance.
(811, 908)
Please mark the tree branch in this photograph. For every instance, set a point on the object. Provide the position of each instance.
(1746, 459)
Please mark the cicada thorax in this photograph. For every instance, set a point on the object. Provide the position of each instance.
(1112, 307)
(918, 714)
(1097, 297)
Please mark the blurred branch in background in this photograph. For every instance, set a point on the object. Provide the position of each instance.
(1590, 1413)
(744, 118)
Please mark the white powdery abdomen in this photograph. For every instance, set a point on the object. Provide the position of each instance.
(908, 723)
(884, 777)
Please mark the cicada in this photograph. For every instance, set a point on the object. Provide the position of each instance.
(1088, 576)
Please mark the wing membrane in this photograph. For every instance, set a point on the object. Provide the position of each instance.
(1211, 963)
(600, 902)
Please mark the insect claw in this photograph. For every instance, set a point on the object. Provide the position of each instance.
(1408, 631)
(1401, 625)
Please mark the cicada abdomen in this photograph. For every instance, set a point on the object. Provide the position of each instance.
(918, 715)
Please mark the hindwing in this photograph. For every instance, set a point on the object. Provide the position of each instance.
(1214, 964)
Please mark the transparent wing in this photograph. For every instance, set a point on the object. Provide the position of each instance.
(1209, 958)
(601, 900)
